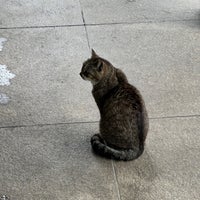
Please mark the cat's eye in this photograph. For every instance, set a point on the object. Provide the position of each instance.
(100, 66)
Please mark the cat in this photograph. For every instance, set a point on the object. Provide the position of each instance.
(123, 116)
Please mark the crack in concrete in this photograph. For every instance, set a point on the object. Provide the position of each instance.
(90, 122)
(100, 24)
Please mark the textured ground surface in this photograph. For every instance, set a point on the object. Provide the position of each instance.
(47, 113)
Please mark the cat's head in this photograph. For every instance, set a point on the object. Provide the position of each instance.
(93, 69)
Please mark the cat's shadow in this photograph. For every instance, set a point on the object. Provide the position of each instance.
(143, 168)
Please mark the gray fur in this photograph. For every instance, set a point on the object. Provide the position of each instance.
(124, 121)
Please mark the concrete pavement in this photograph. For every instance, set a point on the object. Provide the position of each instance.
(47, 113)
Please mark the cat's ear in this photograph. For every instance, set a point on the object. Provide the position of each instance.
(94, 55)
(100, 65)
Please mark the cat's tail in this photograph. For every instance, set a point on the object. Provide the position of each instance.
(102, 149)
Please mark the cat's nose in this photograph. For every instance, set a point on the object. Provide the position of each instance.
(83, 74)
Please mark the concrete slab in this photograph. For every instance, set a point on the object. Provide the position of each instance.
(111, 11)
(53, 162)
(45, 157)
(162, 60)
(169, 168)
(22, 13)
(47, 87)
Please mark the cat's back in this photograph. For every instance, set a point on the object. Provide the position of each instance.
(124, 94)
(124, 110)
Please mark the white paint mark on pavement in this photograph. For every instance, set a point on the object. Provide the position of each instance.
(5, 75)
(4, 99)
(4, 197)
(2, 41)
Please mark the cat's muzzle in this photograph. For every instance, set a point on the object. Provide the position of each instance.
(83, 75)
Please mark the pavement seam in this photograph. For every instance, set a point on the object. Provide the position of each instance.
(48, 26)
(84, 24)
(116, 181)
(177, 116)
(99, 24)
(142, 22)
(91, 122)
(48, 124)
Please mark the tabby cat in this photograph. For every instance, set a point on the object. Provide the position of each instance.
(124, 121)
